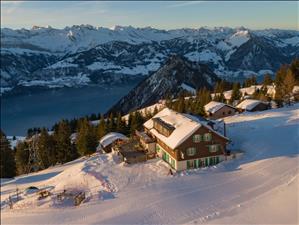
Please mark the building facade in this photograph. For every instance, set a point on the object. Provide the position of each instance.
(217, 110)
(185, 143)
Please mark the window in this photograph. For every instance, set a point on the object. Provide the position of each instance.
(191, 151)
(197, 138)
(207, 137)
(162, 127)
(223, 113)
(214, 148)
(229, 112)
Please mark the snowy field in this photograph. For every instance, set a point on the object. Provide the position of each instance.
(261, 187)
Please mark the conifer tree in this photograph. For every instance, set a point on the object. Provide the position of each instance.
(120, 124)
(200, 109)
(181, 104)
(294, 67)
(22, 158)
(236, 94)
(46, 149)
(250, 81)
(289, 81)
(267, 80)
(136, 122)
(87, 141)
(204, 96)
(102, 127)
(280, 75)
(288, 85)
(65, 151)
(7, 161)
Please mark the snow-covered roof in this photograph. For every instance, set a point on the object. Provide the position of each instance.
(249, 104)
(111, 137)
(248, 91)
(184, 127)
(213, 106)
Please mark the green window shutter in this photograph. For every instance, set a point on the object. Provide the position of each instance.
(197, 163)
(173, 163)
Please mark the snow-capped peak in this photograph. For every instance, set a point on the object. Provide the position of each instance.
(239, 38)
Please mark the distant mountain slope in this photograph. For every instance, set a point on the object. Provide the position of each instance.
(102, 55)
(177, 75)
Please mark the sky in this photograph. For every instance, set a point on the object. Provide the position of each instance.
(157, 14)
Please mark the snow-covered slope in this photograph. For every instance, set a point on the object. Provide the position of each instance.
(108, 55)
(261, 187)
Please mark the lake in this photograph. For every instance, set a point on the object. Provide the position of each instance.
(44, 108)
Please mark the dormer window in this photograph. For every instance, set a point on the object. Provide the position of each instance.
(162, 127)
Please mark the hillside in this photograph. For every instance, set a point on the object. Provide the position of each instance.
(177, 75)
(260, 187)
(84, 55)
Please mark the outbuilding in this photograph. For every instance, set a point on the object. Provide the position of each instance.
(216, 110)
(110, 139)
(252, 105)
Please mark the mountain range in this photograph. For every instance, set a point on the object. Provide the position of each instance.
(83, 55)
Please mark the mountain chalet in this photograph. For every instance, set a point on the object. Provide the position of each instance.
(183, 141)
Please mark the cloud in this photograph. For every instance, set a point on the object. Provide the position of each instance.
(8, 7)
(11, 2)
(185, 3)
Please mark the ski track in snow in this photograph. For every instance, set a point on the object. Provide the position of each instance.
(143, 194)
